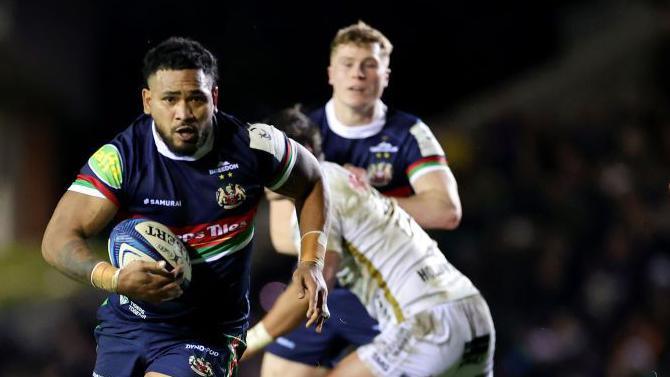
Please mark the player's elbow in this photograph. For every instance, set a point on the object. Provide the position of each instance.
(449, 219)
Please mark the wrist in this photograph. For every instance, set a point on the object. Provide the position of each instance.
(313, 248)
(258, 338)
(105, 276)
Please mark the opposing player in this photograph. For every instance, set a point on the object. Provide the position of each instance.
(392, 150)
(432, 318)
(201, 172)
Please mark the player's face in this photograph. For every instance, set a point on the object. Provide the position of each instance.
(182, 103)
(358, 75)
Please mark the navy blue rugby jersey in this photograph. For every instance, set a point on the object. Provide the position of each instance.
(209, 200)
(396, 148)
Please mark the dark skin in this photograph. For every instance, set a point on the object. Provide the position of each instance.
(307, 277)
(79, 217)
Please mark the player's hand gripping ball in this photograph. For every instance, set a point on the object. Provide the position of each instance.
(149, 241)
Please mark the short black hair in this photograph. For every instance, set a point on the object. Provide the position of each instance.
(298, 127)
(176, 53)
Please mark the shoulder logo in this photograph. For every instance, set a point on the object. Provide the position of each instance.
(107, 165)
(263, 137)
(201, 366)
(230, 196)
(263, 134)
(428, 144)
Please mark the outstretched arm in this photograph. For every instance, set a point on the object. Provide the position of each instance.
(79, 217)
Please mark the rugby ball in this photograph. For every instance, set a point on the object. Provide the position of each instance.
(146, 240)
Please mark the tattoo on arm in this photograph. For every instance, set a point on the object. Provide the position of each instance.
(76, 260)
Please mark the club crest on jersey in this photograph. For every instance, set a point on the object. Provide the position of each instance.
(380, 173)
(200, 366)
(230, 196)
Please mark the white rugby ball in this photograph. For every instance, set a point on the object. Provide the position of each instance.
(146, 240)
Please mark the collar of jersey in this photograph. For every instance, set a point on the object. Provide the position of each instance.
(357, 132)
(165, 151)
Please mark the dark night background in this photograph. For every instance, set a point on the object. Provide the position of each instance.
(82, 60)
(554, 116)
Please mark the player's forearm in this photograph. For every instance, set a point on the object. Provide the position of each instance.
(305, 186)
(287, 313)
(77, 218)
(68, 253)
(313, 226)
(313, 209)
(432, 210)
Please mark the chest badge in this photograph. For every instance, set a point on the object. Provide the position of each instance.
(230, 196)
(380, 170)
(380, 173)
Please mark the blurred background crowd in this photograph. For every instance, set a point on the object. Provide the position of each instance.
(554, 117)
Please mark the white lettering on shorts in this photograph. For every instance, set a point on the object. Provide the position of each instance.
(201, 348)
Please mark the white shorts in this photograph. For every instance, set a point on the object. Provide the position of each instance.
(453, 339)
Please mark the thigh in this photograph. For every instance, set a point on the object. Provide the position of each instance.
(116, 355)
(275, 366)
(194, 358)
(352, 366)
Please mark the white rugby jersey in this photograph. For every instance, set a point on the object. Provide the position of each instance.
(388, 261)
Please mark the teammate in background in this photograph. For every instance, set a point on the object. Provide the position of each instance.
(392, 150)
(432, 318)
(202, 173)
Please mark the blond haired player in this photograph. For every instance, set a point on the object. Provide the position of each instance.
(433, 320)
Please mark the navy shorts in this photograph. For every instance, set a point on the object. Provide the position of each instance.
(125, 350)
(349, 325)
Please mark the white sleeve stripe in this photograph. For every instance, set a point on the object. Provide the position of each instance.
(86, 190)
(428, 169)
(293, 157)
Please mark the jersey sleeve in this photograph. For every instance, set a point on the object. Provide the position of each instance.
(424, 153)
(277, 154)
(102, 175)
